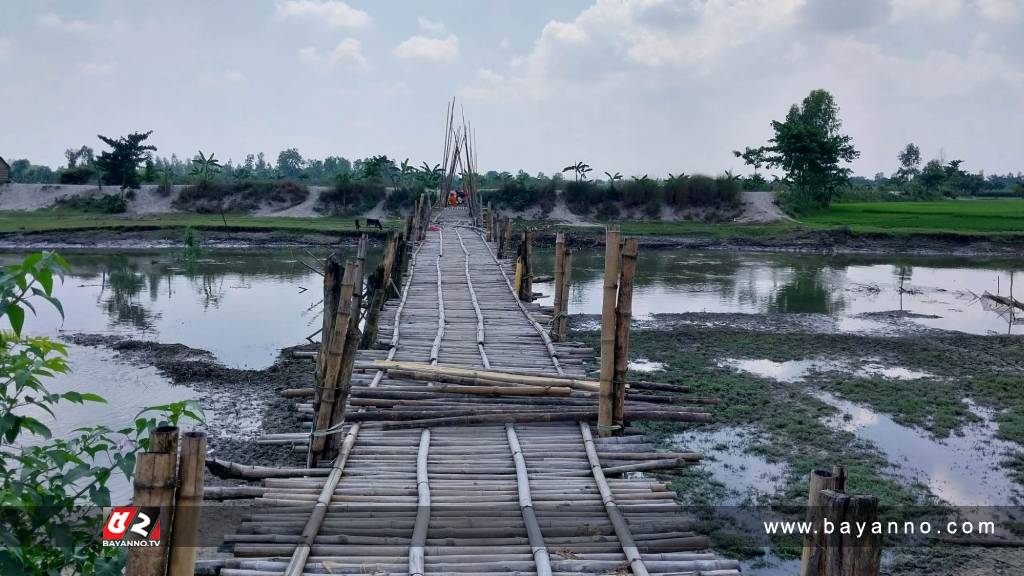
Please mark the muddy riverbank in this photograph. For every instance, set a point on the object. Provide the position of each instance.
(926, 420)
(802, 241)
(239, 404)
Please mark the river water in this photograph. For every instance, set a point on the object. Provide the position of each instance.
(847, 291)
(243, 305)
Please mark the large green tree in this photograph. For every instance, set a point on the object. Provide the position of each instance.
(120, 164)
(809, 147)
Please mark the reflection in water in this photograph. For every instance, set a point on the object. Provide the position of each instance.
(844, 288)
(242, 305)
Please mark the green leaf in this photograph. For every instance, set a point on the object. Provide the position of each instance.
(17, 317)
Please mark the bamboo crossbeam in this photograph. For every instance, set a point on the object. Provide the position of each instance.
(442, 370)
(419, 532)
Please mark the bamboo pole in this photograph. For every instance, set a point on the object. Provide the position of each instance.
(332, 366)
(623, 317)
(187, 504)
(562, 320)
(559, 285)
(526, 253)
(491, 375)
(154, 482)
(419, 533)
(606, 401)
(533, 530)
(636, 563)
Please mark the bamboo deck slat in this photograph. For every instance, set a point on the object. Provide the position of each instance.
(443, 468)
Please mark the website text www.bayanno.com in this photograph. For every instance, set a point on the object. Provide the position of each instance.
(879, 528)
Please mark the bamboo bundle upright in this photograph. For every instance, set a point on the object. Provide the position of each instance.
(332, 366)
(187, 504)
(606, 395)
(153, 485)
(623, 317)
(559, 285)
(506, 242)
(562, 321)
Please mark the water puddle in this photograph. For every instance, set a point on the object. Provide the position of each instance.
(646, 365)
(746, 476)
(797, 370)
(964, 469)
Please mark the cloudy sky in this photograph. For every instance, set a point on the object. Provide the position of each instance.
(637, 86)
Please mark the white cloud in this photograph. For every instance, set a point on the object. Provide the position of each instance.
(334, 13)
(428, 49)
(57, 22)
(911, 10)
(234, 76)
(429, 26)
(96, 68)
(6, 48)
(348, 52)
(1001, 11)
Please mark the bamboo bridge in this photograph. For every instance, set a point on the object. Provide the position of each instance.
(461, 440)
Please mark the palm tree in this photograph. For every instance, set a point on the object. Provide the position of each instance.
(405, 170)
(580, 170)
(204, 167)
(613, 178)
(430, 176)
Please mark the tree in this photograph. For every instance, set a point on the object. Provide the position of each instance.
(809, 148)
(579, 169)
(290, 163)
(204, 167)
(910, 160)
(120, 164)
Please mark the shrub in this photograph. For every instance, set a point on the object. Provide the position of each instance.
(77, 175)
(581, 197)
(401, 199)
(212, 197)
(349, 197)
(105, 204)
(607, 210)
(642, 192)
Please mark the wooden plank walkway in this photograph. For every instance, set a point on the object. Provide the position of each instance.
(524, 497)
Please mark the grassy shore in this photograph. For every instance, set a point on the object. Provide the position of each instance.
(52, 220)
(966, 219)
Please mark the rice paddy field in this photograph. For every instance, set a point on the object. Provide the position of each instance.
(945, 217)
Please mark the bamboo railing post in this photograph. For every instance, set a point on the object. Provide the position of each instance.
(559, 285)
(850, 554)
(623, 317)
(332, 289)
(332, 366)
(153, 484)
(606, 396)
(506, 243)
(562, 321)
(525, 271)
(813, 551)
(187, 504)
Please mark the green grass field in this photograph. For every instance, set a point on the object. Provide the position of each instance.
(981, 218)
(970, 217)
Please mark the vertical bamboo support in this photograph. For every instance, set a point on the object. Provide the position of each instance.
(623, 317)
(332, 367)
(814, 551)
(848, 554)
(153, 483)
(606, 391)
(343, 387)
(525, 286)
(559, 284)
(187, 505)
(506, 243)
(562, 321)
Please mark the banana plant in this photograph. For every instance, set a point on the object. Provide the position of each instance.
(613, 178)
(430, 176)
(204, 167)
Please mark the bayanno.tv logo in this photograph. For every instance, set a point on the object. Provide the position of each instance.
(131, 526)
